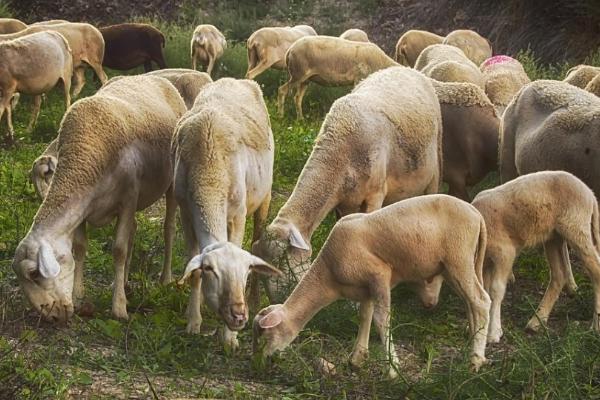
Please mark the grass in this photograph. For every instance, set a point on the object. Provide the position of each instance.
(151, 356)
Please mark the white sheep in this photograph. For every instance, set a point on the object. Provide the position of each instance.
(357, 35)
(475, 47)
(581, 75)
(366, 255)
(328, 60)
(187, 81)
(33, 65)
(207, 46)
(412, 43)
(11, 25)
(113, 162)
(224, 153)
(267, 47)
(504, 77)
(377, 145)
(447, 63)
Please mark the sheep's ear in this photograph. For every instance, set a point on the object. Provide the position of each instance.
(262, 267)
(194, 264)
(271, 320)
(52, 161)
(296, 239)
(49, 267)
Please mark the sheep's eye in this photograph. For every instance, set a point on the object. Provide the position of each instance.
(207, 268)
(34, 275)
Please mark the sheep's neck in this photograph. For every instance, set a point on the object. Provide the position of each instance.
(61, 222)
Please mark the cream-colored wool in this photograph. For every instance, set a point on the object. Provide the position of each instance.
(357, 35)
(594, 86)
(331, 61)
(267, 47)
(207, 46)
(581, 75)
(11, 25)
(87, 47)
(377, 145)
(448, 64)
(475, 47)
(366, 255)
(412, 43)
(187, 81)
(503, 80)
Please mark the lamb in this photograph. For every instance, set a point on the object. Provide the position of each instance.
(357, 35)
(113, 162)
(379, 144)
(475, 47)
(11, 25)
(87, 47)
(581, 75)
(412, 43)
(328, 60)
(33, 65)
(187, 81)
(43, 169)
(224, 153)
(470, 139)
(594, 86)
(447, 63)
(267, 47)
(366, 255)
(208, 44)
(504, 77)
(131, 45)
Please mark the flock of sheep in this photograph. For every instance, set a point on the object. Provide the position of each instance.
(444, 110)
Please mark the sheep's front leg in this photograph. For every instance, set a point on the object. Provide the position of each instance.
(130, 244)
(211, 64)
(193, 310)
(79, 251)
(125, 225)
(571, 284)
(169, 235)
(361, 347)
(35, 111)
(382, 319)
(194, 62)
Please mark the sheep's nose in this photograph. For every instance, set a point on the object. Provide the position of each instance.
(238, 312)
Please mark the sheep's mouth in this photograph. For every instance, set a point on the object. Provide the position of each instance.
(56, 313)
(234, 325)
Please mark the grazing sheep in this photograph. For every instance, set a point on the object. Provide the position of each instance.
(412, 43)
(594, 86)
(43, 169)
(581, 75)
(224, 153)
(113, 162)
(475, 47)
(366, 255)
(208, 44)
(330, 61)
(11, 25)
(377, 145)
(267, 47)
(470, 138)
(447, 63)
(504, 77)
(187, 81)
(87, 47)
(357, 35)
(131, 45)
(33, 65)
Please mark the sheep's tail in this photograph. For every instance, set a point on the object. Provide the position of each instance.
(481, 246)
(252, 55)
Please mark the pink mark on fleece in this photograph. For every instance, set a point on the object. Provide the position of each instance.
(497, 60)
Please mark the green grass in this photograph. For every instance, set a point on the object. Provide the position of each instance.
(99, 357)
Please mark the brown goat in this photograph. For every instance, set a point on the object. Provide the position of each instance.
(130, 45)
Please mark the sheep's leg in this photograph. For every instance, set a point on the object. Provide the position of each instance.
(235, 227)
(66, 81)
(169, 235)
(211, 64)
(261, 67)
(500, 270)
(382, 319)
(9, 123)
(194, 62)
(79, 79)
(571, 284)
(79, 250)
(99, 71)
(229, 339)
(35, 111)
(125, 225)
(361, 347)
(193, 309)
(130, 244)
(298, 98)
(558, 276)
(260, 217)
(282, 92)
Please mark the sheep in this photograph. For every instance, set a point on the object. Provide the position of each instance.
(379, 144)
(412, 43)
(475, 47)
(43, 169)
(594, 86)
(267, 47)
(208, 44)
(187, 81)
(366, 255)
(447, 63)
(503, 76)
(470, 139)
(11, 25)
(357, 35)
(224, 153)
(581, 75)
(131, 45)
(113, 162)
(51, 22)
(87, 47)
(328, 60)
(33, 65)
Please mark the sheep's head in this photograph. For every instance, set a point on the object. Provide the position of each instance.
(41, 174)
(45, 272)
(271, 331)
(429, 290)
(224, 271)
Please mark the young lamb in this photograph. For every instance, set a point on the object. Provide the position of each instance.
(504, 77)
(11, 25)
(224, 153)
(208, 44)
(131, 45)
(470, 139)
(447, 63)
(357, 35)
(581, 75)
(379, 144)
(412, 43)
(329, 61)
(267, 47)
(475, 47)
(366, 255)
(33, 65)
(113, 162)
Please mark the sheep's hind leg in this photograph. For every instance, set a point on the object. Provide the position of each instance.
(211, 65)
(501, 269)
(35, 111)
(79, 80)
(169, 235)
(193, 309)
(282, 92)
(298, 97)
(121, 246)
(382, 319)
(361, 347)
(571, 284)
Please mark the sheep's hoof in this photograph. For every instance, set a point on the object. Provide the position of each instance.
(534, 325)
(477, 362)
(494, 337)
(120, 313)
(165, 279)
(571, 289)
(392, 373)
(193, 327)
(358, 357)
